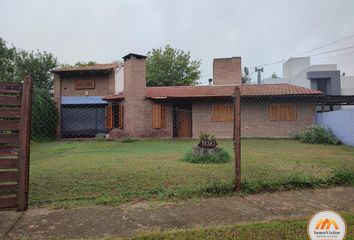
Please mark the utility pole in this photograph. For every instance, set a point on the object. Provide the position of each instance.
(258, 70)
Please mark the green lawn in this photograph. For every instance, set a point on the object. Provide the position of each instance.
(292, 229)
(76, 173)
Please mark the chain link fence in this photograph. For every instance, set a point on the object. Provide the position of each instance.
(84, 153)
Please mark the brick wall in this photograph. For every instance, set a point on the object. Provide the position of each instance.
(254, 119)
(67, 86)
(227, 71)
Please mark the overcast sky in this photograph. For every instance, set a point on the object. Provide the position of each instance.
(259, 31)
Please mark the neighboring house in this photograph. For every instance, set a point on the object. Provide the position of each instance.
(78, 93)
(326, 78)
(134, 110)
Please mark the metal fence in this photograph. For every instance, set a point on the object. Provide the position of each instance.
(91, 154)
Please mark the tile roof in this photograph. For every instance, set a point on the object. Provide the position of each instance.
(96, 67)
(114, 97)
(226, 91)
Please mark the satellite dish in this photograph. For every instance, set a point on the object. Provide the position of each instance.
(246, 70)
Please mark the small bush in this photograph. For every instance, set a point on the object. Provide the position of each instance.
(317, 135)
(219, 156)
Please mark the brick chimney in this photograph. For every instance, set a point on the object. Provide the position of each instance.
(227, 71)
(134, 94)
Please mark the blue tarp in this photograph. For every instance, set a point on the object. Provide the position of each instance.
(82, 100)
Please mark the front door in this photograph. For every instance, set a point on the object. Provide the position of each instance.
(183, 121)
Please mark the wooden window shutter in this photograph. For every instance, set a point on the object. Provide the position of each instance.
(163, 117)
(109, 117)
(222, 113)
(282, 112)
(292, 112)
(156, 115)
(120, 116)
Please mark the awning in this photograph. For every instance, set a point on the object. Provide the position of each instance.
(66, 100)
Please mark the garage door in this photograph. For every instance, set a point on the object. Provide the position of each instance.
(79, 121)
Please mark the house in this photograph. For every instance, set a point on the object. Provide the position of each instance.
(324, 77)
(78, 93)
(134, 110)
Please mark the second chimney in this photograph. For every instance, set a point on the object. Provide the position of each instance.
(227, 71)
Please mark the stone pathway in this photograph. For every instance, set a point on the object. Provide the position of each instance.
(131, 219)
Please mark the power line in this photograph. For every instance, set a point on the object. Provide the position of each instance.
(316, 54)
(343, 54)
(311, 50)
(335, 50)
(327, 44)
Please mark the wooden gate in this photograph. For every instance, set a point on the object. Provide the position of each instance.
(15, 124)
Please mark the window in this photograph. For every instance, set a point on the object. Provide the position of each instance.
(282, 112)
(158, 116)
(84, 84)
(222, 113)
(114, 116)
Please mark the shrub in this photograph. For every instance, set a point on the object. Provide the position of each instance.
(219, 156)
(44, 116)
(317, 135)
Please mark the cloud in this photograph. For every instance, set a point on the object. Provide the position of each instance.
(258, 31)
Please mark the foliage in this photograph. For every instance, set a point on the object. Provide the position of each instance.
(317, 135)
(8, 68)
(246, 79)
(206, 137)
(217, 156)
(44, 116)
(171, 67)
(38, 65)
(82, 64)
(274, 75)
(15, 64)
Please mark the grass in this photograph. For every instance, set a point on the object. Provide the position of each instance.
(291, 229)
(97, 172)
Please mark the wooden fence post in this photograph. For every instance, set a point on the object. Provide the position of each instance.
(24, 144)
(237, 138)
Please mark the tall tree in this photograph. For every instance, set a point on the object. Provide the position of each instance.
(7, 62)
(171, 67)
(38, 65)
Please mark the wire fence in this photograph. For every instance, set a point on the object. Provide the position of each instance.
(181, 149)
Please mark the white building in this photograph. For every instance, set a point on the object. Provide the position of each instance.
(325, 77)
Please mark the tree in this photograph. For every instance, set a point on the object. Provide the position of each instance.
(171, 67)
(14, 66)
(38, 65)
(274, 75)
(7, 62)
(245, 79)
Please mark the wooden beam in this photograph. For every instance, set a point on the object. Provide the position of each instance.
(24, 145)
(10, 100)
(237, 138)
(10, 112)
(9, 125)
(8, 138)
(9, 202)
